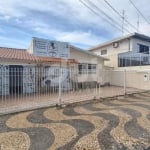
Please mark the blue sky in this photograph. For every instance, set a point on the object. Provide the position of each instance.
(64, 20)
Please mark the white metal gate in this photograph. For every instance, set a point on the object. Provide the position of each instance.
(28, 87)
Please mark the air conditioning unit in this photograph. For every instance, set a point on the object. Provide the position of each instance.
(115, 44)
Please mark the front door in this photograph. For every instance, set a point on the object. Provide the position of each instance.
(16, 79)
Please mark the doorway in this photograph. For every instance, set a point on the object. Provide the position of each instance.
(16, 79)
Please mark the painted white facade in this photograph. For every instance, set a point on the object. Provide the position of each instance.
(43, 47)
(25, 76)
(123, 47)
(112, 52)
(84, 57)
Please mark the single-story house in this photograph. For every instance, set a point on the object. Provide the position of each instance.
(45, 64)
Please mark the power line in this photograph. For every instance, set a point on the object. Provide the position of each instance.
(108, 20)
(102, 12)
(138, 23)
(107, 15)
(98, 14)
(123, 19)
(119, 14)
(139, 12)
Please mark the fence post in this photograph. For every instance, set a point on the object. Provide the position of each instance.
(99, 90)
(96, 91)
(101, 77)
(130, 60)
(140, 59)
(60, 76)
(124, 82)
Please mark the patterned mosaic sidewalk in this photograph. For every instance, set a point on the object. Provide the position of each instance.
(121, 124)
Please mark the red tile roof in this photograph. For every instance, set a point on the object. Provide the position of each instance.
(16, 54)
(23, 55)
(52, 59)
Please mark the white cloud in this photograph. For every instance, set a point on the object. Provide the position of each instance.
(10, 8)
(75, 12)
(80, 37)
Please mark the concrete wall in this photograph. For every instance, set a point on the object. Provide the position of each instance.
(117, 78)
(106, 75)
(134, 79)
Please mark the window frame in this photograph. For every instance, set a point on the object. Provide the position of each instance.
(92, 68)
(144, 49)
(82, 68)
(85, 68)
(105, 52)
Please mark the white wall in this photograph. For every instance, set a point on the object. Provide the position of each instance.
(112, 53)
(134, 79)
(83, 57)
(124, 46)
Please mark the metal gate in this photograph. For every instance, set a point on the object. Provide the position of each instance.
(28, 87)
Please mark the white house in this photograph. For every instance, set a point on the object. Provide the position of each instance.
(41, 65)
(89, 64)
(127, 51)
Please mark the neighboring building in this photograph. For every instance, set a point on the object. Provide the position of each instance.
(131, 50)
(40, 66)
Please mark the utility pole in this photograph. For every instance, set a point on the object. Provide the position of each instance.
(138, 23)
(123, 18)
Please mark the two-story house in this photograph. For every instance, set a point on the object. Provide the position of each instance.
(131, 50)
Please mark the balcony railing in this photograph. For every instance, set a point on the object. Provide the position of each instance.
(133, 60)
